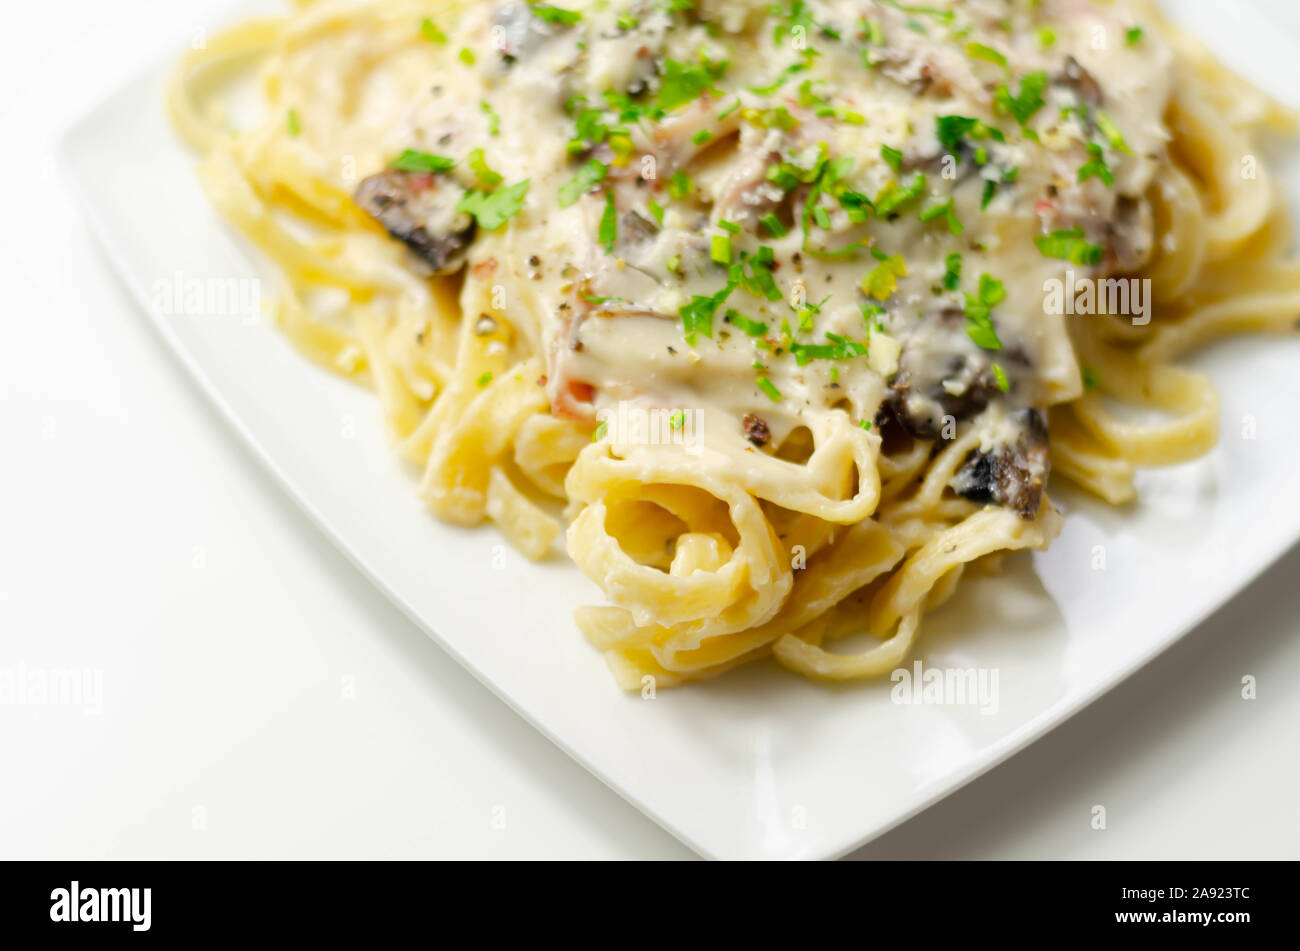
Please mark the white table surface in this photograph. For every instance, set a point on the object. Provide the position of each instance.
(249, 672)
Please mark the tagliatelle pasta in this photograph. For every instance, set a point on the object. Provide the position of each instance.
(781, 313)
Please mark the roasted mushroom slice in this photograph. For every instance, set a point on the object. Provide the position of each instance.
(1012, 475)
(419, 209)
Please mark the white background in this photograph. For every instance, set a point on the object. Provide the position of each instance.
(262, 700)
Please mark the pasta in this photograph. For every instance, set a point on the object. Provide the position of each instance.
(768, 308)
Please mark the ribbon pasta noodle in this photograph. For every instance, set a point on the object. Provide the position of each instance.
(752, 301)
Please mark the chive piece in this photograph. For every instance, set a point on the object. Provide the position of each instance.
(609, 224)
(494, 120)
(466, 56)
(952, 271)
(429, 30)
(481, 169)
(599, 434)
(656, 209)
(768, 387)
(990, 189)
(1133, 35)
(1000, 375)
(1113, 135)
(773, 225)
(720, 249)
(986, 53)
(484, 379)
(292, 121)
(893, 158)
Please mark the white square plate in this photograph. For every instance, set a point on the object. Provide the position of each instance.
(759, 763)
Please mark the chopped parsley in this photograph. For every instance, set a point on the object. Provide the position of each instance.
(1024, 104)
(953, 131)
(1096, 166)
(944, 210)
(697, 316)
(481, 169)
(608, 224)
(750, 328)
(1000, 376)
(429, 30)
(979, 312)
(681, 83)
(494, 120)
(952, 271)
(883, 279)
(1070, 246)
(839, 348)
(986, 53)
(679, 186)
(556, 15)
(588, 177)
(413, 161)
(1133, 35)
(894, 196)
(493, 209)
(484, 379)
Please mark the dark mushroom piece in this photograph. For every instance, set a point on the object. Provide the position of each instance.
(954, 381)
(419, 209)
(516, 31)
(1074, 76)
(1013, 476)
